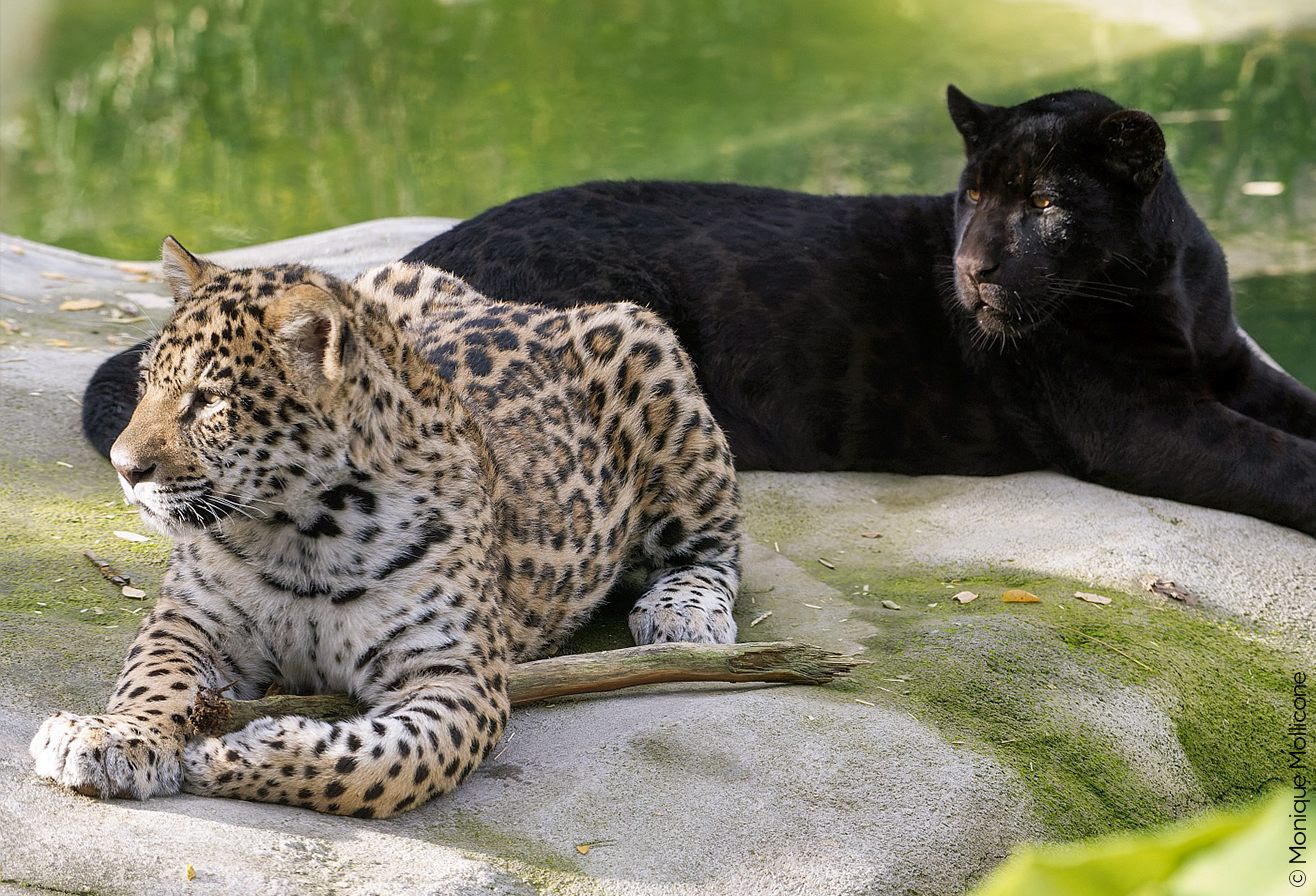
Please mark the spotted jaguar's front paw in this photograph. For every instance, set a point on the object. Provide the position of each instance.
(107, 756)
(201, 758)
(657, 618)
(238, 764)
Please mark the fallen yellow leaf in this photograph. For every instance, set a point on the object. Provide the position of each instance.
(1019, 596)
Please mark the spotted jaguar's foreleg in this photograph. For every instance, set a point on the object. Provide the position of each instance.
(135, 748)
(692, 545)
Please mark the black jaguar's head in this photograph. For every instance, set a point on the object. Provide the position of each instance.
(1049, 207)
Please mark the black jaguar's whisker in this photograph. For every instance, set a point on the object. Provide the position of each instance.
(1088, 282)
(1091, 289)
(1126, 260)
(1050, 152)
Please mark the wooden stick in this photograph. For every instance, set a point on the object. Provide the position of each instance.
(108, 571)
(560, 676)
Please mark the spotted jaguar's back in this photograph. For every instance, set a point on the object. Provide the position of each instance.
(394, 488)
(596, 407)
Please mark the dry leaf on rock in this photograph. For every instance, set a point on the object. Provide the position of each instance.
(80, 304)
(1091, 598)
(1166, 588)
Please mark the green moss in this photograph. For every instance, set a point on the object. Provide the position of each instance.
(39, 890)
(43, 567)
(64, 628)
(548, 870)
(1004, 678)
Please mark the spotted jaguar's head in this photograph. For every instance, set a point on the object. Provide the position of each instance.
(237, 410)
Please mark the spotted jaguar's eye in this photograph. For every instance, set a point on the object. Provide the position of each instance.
(973, 193)
(205, 400)
(1041, 200)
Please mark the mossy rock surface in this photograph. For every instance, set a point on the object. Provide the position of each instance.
(977, 726)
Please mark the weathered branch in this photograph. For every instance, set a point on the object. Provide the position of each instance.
(582, 673)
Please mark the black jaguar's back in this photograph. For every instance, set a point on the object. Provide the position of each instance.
(1064, 308)
(813, 321)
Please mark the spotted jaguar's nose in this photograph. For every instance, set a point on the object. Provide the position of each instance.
(133, 464)
(134, 473)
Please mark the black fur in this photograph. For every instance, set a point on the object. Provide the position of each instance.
(936, 334)
(111, 396)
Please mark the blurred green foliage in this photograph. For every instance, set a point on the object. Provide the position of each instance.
(1241, 853)
(230, 122)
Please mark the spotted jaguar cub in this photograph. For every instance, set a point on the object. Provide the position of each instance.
(394, 488)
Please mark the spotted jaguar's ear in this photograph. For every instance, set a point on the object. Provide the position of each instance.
(311, 333)
(183, 271)
(972, 119)
(1135, 147)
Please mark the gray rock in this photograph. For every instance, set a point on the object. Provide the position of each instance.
(977, 726)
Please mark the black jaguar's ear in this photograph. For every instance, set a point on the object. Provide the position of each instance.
(183, 271)
(972, 119)
(1135, 147)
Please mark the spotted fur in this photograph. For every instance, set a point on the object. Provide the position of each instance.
(396, 489)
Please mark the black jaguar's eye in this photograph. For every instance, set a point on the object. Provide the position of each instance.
(1041, 200)
(973, 193)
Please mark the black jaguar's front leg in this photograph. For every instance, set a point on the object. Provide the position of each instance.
(135, 748)
(1255, 389)
(1208, 454)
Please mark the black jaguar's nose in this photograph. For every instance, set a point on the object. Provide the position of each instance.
(994, 297)
(979, 270)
